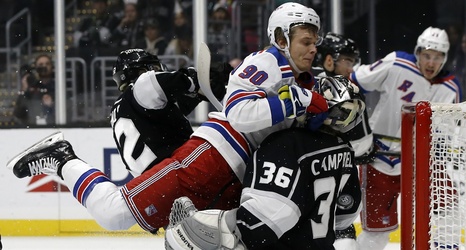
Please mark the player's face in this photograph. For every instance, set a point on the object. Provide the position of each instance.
(303, 47)
(430, 62)
(344, 65)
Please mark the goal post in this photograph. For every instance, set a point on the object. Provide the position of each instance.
(433, 144)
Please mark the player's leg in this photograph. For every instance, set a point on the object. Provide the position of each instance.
(208, 229)
(195, 170)
(55, 156)
(379, 215)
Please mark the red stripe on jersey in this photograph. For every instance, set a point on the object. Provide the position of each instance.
(85, 185)
(285, 68)
(235, 134)
(408, 63)
(241, 94)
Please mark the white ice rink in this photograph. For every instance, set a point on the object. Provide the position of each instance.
(93, 243)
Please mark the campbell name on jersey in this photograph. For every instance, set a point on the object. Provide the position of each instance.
(331, 162)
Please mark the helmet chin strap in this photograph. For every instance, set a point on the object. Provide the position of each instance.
(290, 60)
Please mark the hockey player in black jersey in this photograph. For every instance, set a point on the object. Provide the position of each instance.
(293, 185)
(149, 118)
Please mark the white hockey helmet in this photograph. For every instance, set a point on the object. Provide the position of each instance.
(434, 39)
(345, 106)
(285, 17)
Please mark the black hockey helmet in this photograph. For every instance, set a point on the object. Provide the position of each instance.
(345, 106)
(335, 45)
(131, 63)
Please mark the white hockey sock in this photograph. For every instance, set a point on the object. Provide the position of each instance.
(72, 170)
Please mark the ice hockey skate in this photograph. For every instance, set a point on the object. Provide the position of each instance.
(201, 230)
(45, 157)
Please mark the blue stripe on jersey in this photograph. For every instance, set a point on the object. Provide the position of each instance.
(388, 160)
(241, 95)
(234, 144)
(280, 58)
(276, 107)
(287, 75)
(407, 61)
(406, 56)
(354, 79)
(408, 67)
(451, 86)
(381, 145)
(86, 183)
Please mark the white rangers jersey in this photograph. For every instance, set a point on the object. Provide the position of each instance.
(251, 103)
(398, 80)
(251, 107)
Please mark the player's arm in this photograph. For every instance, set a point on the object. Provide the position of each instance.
(253, 101)
(348, 202)
(371, 76)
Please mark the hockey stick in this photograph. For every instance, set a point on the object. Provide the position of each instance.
(387, 138)
(389, 153)
(203, 75)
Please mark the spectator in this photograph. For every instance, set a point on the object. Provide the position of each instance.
(130, 28)
(153, 41)
(35, 102)
(93, 31)
(92, 35)
(162, 11)
(219, 33)
(180, 22)
(182, 44)
(454, 37)
(459, 65)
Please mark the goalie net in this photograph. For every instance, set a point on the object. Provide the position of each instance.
(433, 206)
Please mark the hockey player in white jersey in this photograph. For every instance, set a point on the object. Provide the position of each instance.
(209, 166)
(293, 184)
(252, 102)
(400, 78)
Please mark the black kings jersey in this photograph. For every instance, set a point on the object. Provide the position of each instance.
(291, 189)
(147, 123)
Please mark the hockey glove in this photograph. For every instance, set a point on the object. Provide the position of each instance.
(191, 73)
(299, 101)
(219, 75)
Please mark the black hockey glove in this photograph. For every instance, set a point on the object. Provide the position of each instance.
(192, 74)
(219, 75)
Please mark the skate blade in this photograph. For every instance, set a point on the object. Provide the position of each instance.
(57, 136)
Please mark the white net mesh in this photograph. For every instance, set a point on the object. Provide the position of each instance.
(447, 176)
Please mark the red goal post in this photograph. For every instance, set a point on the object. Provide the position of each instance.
(433, 177)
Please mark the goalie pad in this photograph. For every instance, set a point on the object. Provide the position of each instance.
(201, 230)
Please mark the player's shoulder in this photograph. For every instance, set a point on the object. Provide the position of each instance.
(269, 58)
(403, 55)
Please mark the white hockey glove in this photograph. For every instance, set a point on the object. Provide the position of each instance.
(299, 101)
